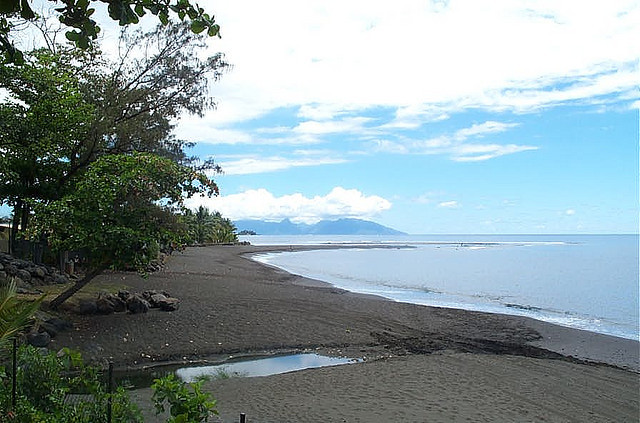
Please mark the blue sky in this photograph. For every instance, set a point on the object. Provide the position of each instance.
(498, 116)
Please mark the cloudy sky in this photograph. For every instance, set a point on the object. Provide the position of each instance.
(458, 116)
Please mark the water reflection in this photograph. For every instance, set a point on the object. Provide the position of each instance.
(262, 367)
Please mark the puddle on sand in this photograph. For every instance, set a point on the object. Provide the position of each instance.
(263, 366)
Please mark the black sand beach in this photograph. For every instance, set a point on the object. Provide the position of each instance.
(421, 363)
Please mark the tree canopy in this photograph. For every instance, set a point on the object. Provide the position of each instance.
(205, 226)
(89, 158)
(119, 211)
(66, 109)
(77, 15)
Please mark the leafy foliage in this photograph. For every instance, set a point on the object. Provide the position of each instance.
(15, 313)
(121, 205)
(158, 77)
(77, 15)
(119, 210)
(205, 226)
(43, 123)
(185, 405)
(66, 109)
(45, 379)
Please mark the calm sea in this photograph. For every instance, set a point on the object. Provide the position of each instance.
(584, 281)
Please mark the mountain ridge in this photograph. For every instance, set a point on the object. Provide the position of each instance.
(345, 226)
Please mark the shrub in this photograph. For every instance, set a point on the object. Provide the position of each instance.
(185, 405)
(45, 382)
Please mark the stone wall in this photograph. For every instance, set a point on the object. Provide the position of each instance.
(29, 275)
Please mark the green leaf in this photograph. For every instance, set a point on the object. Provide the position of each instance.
(72, 36)
(198, 26)
(9, 6)
(140, 10)
(214, 30)
(25, 10)
(164, 18)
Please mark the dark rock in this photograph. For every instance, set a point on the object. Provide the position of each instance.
(59, 324)
(10, 269)
(148, 294)
(155, 300)
(49, 328)
(20, 264)
(38, 339)
(124, 295)
(38, 272)
(87, 307)
(60, 279)
(105, 305)
(21, 284)
(169, 304)
(119, 304)
(24, 275)
(110, 303)
(137, 304)
(1, 266)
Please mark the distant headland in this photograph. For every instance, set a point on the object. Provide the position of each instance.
(324, 227)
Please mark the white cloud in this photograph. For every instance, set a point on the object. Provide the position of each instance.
(333, 55)
(262, 204)
(245, 165)
(488, 127)
(481, 152)
(425, 58)
(570, 212)
(352, 124)
(457, 145)
(449, 205)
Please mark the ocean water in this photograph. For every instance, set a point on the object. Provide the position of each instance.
(588, 282)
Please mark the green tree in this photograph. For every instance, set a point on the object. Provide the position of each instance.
(118, 212)
(43, 123)
(66, 109)
(205, 226)
(224, 230)
(77, 15)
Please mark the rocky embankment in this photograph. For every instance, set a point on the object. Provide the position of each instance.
(29, 275)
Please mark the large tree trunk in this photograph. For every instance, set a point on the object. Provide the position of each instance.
(64, 296)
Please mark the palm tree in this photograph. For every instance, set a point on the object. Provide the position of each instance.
(15, 313)
(205, 226)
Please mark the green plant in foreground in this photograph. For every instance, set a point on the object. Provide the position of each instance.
(15, 313)
(58, 387)
(185, 405)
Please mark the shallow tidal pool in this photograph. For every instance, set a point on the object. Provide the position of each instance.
(262, 366)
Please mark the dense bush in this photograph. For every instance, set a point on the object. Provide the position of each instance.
(59, 388)
(185, 405)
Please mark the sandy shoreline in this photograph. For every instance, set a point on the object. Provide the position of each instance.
(515, 368)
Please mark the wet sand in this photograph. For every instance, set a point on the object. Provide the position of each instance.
(422, 363)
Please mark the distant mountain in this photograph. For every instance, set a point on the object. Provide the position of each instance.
(324, 227)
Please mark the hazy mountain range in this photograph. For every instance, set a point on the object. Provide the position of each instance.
(324, 227)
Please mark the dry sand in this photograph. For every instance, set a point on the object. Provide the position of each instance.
(423, 363)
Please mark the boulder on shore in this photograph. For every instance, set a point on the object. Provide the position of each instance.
(137, 304)
(38, 339)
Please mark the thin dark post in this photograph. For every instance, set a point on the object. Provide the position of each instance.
(243, 418)
(109, 391)
(14, 375)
